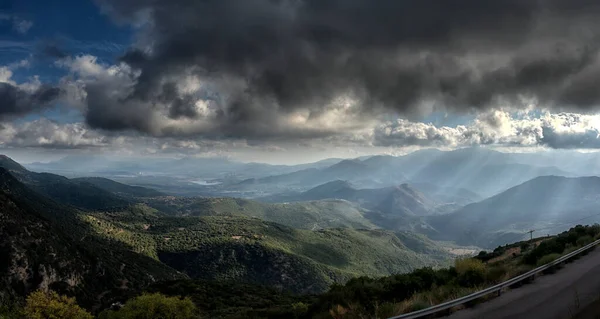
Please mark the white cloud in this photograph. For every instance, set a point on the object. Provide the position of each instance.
(48, 134)
(6, 74)
(497, 127)
(22, 26)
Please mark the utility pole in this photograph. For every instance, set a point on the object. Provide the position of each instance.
(531, 234)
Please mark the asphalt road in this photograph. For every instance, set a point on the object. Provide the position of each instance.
(557, 296)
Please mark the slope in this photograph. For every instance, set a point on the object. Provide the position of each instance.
(251, 250)
(46, 245)
(396, 200)
(543, 202)
(79, 194)
(118, 188)
(306, 215)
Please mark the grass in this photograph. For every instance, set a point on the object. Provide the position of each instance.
(548, 259)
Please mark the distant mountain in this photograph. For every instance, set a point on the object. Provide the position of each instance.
(118, 188)
(547, 202)
(396, 200)
(482, 171)
(447, 195)
(395, 208)
(460, 176)
(334, 189)
(354, 171)
(478, 170)
(202, 167)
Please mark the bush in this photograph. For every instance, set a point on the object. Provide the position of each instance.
(547, 259)
(149, 306)
(49, 305)
(10, 312)
(463, 265)
(416, 303)
(471, 272)
(389, 309)
(496, 274)
(585, 240)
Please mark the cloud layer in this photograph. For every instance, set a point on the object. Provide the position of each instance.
(493, 128)
(213, 73)
(553, 130)
(237, 68)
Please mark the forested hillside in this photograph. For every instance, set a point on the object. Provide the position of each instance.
(239, 248)
(134, 239)
(47, 245)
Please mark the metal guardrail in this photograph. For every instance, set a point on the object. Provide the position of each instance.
(497, 288)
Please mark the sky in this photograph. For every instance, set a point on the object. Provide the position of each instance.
(290, 81)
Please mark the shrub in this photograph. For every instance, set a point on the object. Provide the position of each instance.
(416, 303)
(547, 259)
(471, 272)
(50, 305)
(389, 309)
(10, 312)
(582, 241)
(463, 265)
(338, 312)
(496, 274)
(300, 307)
(149, 306)
(569, 250)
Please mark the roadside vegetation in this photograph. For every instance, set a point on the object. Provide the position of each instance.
(361, 297)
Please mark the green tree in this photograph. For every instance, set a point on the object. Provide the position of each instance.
(155, 306)
(50, 305)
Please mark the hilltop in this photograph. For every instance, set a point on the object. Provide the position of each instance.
(84, 193)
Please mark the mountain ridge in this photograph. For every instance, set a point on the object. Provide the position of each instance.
(548, 201)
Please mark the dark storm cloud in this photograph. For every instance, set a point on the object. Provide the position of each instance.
(15, 101)
(388, 55)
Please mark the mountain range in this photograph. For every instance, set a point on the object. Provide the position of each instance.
(461, 176)
(546, 203)
(100, 253)
(101, 240)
